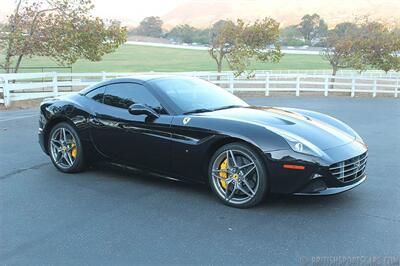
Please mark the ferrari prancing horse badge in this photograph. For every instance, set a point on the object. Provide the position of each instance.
(186, 120)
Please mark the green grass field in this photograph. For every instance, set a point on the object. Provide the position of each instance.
(135, 58)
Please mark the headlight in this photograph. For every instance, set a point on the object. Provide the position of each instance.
(298, 144)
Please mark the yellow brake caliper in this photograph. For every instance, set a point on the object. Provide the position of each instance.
(223, 166)
(73, 151)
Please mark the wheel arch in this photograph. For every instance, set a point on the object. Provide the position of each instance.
(227, 140)
(49, 126)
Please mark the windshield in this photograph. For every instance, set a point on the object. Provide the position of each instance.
(193, 95)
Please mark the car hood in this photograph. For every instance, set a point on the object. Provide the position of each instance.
(321, 133)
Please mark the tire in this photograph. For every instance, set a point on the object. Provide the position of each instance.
(67, 156)
(240, 183)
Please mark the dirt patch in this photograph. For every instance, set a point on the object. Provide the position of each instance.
(25, 104)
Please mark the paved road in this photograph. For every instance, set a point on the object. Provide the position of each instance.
(108, 216)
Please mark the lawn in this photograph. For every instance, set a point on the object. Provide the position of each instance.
(134, 58)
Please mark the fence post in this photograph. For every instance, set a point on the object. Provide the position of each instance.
(353, 86)
(55, 85)
(298, 86)
(6, 93)
(267, 84)
(374, 89)
(326, 86)
(231, 88)
(396, 89)
(103, 76)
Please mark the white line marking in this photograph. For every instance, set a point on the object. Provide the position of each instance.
(17, 117)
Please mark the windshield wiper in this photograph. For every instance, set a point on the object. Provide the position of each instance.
(228, 107)
(203, 110)
(200, 110)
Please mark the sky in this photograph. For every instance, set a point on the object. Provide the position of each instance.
(129, 10)
(204, 12)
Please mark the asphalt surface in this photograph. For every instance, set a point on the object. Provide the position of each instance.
(108, 216)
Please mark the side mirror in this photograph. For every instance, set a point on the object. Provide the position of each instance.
(141, 109)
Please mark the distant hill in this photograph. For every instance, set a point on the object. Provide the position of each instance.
(203, 13)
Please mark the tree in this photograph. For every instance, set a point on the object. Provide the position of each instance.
(150, 26)
(183, 33)
(188, 34)
(291, 36)
(368, 44)
(379, 47)
(341, 50)
(203, 36)
(239, 42)
(345, 27)
(312, 26)
(321, 33)
(60, 29)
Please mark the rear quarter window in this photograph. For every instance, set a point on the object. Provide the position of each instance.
(96, 94)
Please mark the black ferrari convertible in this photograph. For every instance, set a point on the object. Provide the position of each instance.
(189, 129)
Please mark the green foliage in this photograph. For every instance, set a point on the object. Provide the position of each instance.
(203, 36)
(291, 36)
(188, 34)
(362, 46)
(312, 27)
(379, 47)
(150, 26)
(60, 29)
(341, 50)
(90, 39)
(293, 42)
(240, 42)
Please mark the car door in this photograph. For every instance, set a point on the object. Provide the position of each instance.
(136, 140)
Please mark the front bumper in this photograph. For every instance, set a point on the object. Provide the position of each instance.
(322, 190)
(319, 175)
(42, 140)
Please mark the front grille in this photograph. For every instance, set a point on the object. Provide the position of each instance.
(350, 169)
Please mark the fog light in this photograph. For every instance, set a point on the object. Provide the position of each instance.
(316, 176)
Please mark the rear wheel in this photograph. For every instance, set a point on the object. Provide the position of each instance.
(238, 176)
(65, 148)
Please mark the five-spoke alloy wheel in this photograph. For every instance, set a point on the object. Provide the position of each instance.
(238, 176)
(65, 148)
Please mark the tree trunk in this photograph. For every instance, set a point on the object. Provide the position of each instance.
(7, 63)
(219, 69)
(334, 71)
(18, 63)
(10, 42)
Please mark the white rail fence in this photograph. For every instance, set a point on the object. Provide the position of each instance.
(340, 72)
(27, 86)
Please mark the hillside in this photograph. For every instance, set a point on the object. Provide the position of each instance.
(203, 13)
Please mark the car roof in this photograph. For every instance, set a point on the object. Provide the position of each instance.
(134, 78)
(148, 77)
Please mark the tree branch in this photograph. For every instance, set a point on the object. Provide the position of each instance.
(31, 31)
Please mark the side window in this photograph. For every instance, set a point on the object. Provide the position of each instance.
(96, 94)
(123, 95)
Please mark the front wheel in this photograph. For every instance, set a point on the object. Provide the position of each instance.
(66, 149)
(238, 176)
